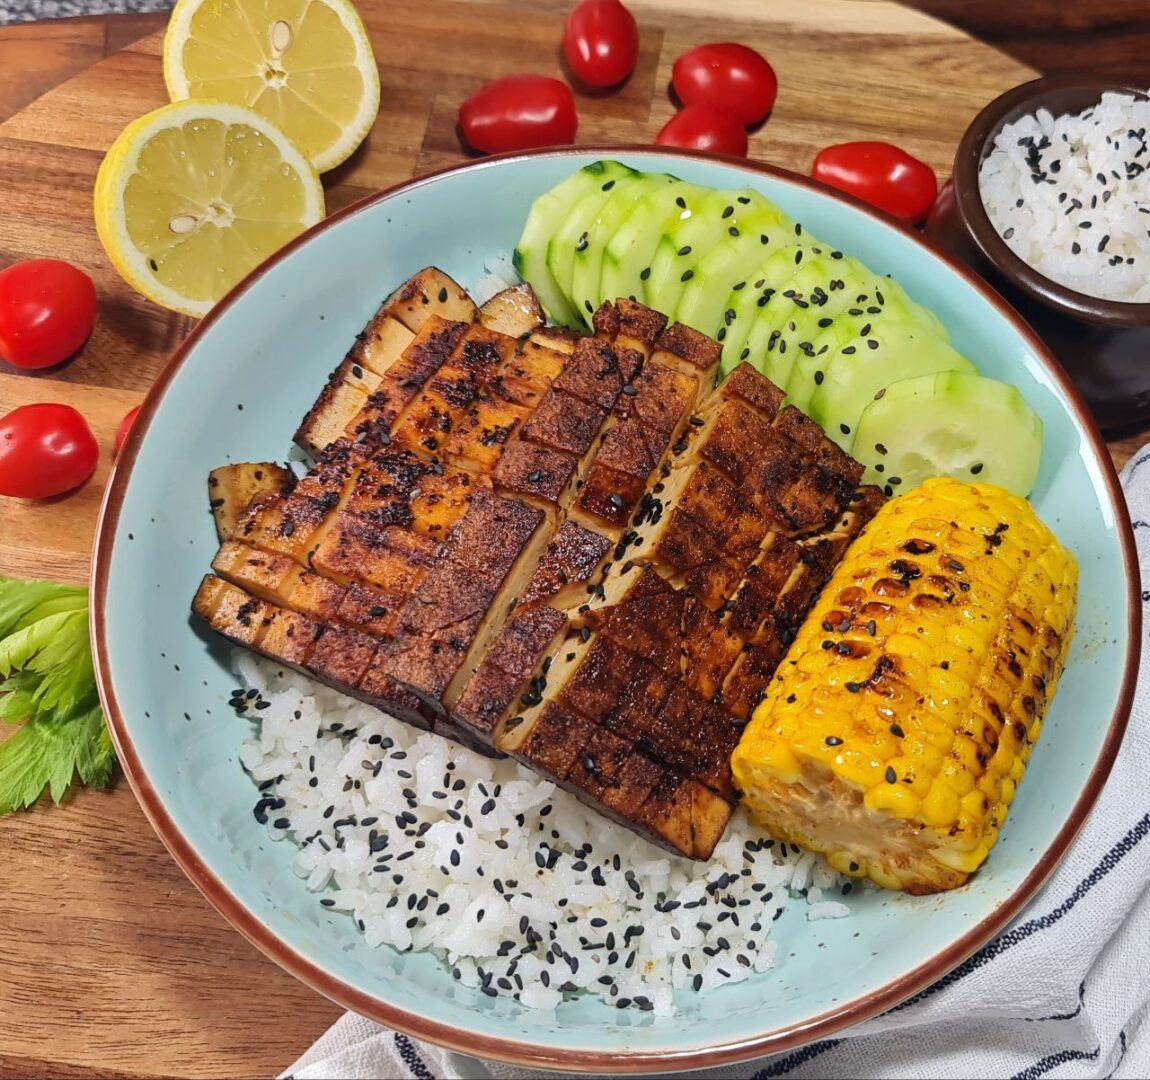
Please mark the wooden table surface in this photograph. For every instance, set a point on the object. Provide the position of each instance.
(113, 965)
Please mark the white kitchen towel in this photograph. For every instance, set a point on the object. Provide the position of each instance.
(1063, 992)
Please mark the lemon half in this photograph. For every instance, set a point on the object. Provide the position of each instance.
(193, 196)
(306, 65)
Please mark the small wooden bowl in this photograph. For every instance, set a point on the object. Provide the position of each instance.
(1103, 344)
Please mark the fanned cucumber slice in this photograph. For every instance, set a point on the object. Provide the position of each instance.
(628, 254)
(547, 213)
(623, 194)
(755, 304)
(949, 424)
(847, 334)
(868, 366)
(747, 233)
(570, 233)
(681, 248)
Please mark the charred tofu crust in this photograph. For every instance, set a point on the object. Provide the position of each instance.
(536, 473)
(548, 545)
(563, 422)
(571, 560)
(635, 325)
(525, 640)
(659, 400)
(736, 435)
(593, 374)
(745, 384)
(610, 495)
(342, 398)
(426, 354)
(686, 348)
(429, 293)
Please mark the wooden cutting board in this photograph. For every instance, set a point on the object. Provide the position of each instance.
(112, 964)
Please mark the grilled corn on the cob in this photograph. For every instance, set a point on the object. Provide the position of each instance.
(894, 735)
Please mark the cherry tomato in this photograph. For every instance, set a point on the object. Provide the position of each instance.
(880, 174)
(601, 42)
(47, 310)
(519, 112)
(45, 450)
(699, 127)
(726, 76)
(125, 427)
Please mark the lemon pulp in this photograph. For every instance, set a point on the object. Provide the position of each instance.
(306, 65)
(194, 196)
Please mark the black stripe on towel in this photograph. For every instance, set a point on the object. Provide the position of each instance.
(415, 1064)
(1063, 1057)
(793, 1061)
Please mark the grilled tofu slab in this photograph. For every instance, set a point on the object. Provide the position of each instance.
(569, 549)
(232, 488)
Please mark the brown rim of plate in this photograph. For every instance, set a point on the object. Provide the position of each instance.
(1060, 93)
(537, 1054)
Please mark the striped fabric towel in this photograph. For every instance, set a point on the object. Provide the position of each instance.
(1064, 992)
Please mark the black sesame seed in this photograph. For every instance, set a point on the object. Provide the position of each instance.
(833, 740)
(891, 775)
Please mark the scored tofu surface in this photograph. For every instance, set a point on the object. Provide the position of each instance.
(567, 549)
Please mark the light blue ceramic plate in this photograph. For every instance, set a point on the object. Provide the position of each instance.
(235, 392)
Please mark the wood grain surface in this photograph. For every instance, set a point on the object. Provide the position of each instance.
(113, 965)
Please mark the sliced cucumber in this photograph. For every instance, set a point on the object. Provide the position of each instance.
(570, 232)
(682, 247)
(849, 329)
(753, 303)
(872, 300)
(868, 366)
(547, 213)
(746, 235)
(624, 194)
(813, 294)
(628, 254)
(950, 424)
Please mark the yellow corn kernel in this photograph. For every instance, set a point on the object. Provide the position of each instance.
(940, 712)
(893, 800)
(941, 805)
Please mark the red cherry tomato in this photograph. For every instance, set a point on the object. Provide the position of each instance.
(601, 42)
(47, 310)
(125, 427)
(880, 174)
(726, 76)
(45, 450)
(699, 127)
(519, 112)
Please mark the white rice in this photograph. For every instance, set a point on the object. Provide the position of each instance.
(515, 885)
(1071, 196)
